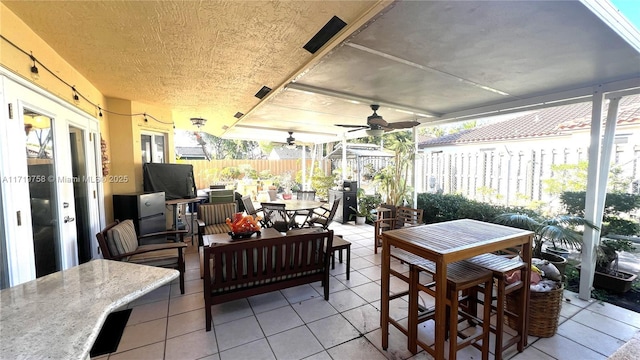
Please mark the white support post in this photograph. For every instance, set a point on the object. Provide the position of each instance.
(415, 175)
(589, 238)
(603, 176)
(344, 158)
(304, 168)
(605, 156)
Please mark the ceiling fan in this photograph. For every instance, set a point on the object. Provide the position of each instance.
(376, 125)
(290, 141)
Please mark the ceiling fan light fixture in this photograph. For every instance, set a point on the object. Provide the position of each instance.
(374, 132)
(290, 141)
(198, 122)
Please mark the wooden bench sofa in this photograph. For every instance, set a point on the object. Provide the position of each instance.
(250, 267)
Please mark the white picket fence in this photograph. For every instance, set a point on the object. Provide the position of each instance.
(508, 176)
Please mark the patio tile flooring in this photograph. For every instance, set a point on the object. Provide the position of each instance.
(297, 323)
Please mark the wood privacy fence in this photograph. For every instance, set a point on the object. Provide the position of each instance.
(207, 172)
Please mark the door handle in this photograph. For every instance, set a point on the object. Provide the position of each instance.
(68, 219)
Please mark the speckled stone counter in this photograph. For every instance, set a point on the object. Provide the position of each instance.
(59, 316)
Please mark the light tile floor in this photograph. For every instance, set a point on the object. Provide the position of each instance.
(297, 323)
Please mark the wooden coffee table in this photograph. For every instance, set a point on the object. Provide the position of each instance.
(221, 239)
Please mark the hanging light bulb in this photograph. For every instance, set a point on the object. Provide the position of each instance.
(34, 69)
(76, 98)
(99, 111)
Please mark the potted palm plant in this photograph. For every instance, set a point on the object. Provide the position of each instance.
(559, 231)
(607, 275)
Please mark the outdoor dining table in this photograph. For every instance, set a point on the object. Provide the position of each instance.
(293, 206)
(444, 243)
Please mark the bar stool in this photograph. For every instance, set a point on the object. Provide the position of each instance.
(502, 266)
(463, 278)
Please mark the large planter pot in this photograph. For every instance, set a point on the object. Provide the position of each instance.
(557, 260)
(360, 220)
(620, 282)
(558, 251)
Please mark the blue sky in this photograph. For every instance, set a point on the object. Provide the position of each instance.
(630, 9)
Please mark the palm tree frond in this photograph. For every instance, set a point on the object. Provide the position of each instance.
(521, 221)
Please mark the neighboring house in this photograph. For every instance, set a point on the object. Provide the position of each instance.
(508, 161)
(191, 153)
(284, 153)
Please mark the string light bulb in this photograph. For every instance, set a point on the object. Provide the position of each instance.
(34, 69)
(76, 98)
(145, 117)
(99, 111)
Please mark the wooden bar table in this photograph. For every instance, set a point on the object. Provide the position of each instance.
(444, 243)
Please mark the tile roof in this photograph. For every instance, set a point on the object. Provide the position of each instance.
(546, 122)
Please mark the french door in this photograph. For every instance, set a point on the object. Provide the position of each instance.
(49, 183)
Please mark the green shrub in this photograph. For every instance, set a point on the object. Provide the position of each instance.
(229, 173)
(445, 207)
(616, 207)
(614, 204)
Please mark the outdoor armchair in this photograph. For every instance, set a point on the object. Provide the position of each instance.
(118, 241)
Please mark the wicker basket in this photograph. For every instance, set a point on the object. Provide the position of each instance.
(544, 311)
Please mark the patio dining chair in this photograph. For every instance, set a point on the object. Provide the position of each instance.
(251, 210)
(275, 216)
(398, 217)
(304, 195)
(322, 216)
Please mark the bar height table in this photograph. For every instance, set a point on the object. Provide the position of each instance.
(444, 243)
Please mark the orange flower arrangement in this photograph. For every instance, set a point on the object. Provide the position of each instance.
(242, 224)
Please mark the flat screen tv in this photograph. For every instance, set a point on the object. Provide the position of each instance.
(176, 180)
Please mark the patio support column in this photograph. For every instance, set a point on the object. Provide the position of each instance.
(344, 158)
(598, 173)
(415, 179)
(304, 168)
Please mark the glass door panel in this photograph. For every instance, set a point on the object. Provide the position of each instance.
(159, 149)
(81, 192)
(145, 141)
(42, 192)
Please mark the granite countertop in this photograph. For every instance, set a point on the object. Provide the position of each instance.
(59, 316)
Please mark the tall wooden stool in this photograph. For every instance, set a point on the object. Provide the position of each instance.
(502, 266)
(463, 278)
